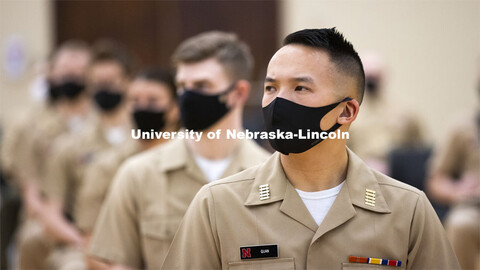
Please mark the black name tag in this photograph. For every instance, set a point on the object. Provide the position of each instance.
(257, 252)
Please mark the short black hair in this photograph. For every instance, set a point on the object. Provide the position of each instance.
(341, 52)
(160, 76)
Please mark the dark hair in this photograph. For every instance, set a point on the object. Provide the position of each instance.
(160, 76)
(106, 50)
(232, 53)
(341, 52)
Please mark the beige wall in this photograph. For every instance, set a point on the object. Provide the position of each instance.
(431, 48)
(31, 21)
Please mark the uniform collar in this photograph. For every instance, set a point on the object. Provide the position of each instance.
(359, 178)
(180, 156)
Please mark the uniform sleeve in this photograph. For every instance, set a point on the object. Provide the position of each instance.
(448, 159)
(116, 236)
(195, 245)
(13, 152)
(92, 193)
(58, 173)
(429, 247)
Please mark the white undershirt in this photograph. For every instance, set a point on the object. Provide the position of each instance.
(319, 202)
(116, 135)
(212, 169)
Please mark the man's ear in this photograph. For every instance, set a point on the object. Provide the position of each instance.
(349, 113)
(241, 93)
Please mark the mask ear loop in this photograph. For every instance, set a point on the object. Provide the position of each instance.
(228, 90)
(335, 126)
(222, 95)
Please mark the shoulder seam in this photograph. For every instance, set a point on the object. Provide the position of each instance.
(217, 183)
(418, 192)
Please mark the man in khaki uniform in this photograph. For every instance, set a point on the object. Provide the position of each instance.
(153, 101)
(66, 78)
(374, 136)
(314, 205)
(108, 78)
(149, 86)
(152, 191)
(455, 181)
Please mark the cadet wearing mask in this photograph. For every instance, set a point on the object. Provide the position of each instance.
(315, 204)
(454, 180)
(107, 82)
(153, 104)
(152, 191)
(66, 100)
(374, 136)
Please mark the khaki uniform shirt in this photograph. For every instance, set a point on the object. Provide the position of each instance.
(26, 142)
(72, 155)
(228, 214)
(40, 146)
(149, 196)
(96, 184)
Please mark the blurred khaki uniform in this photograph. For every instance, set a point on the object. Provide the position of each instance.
(40, 147)
(27, 141)
(27, 147)
(229, 214)
(458, 157)
(149, 197)
(73, 154)
(374, 134)
(96, 184)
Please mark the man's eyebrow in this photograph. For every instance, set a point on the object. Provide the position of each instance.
(306, 79)
(269, 79)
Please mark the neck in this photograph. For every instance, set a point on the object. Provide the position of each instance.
(320, 168)
(148, 144)
(115, 118)
(79, 106)
(218, 148)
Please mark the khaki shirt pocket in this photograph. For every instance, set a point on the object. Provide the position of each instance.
(263, 264)
(366, 266)
(157, 235)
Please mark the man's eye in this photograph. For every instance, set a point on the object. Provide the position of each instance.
(300, 88)
(269, 88)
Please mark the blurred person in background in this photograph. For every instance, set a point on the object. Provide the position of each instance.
(454, 180)
(153, 105)
(152, 191)
(28, 144)
(108, 78)
(374, 134)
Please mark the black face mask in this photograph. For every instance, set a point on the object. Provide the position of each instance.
(288, 116)
(72, 89)
(69, 89)
(107, 99)
(54, 92)
(199, 111)
(146, 119)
